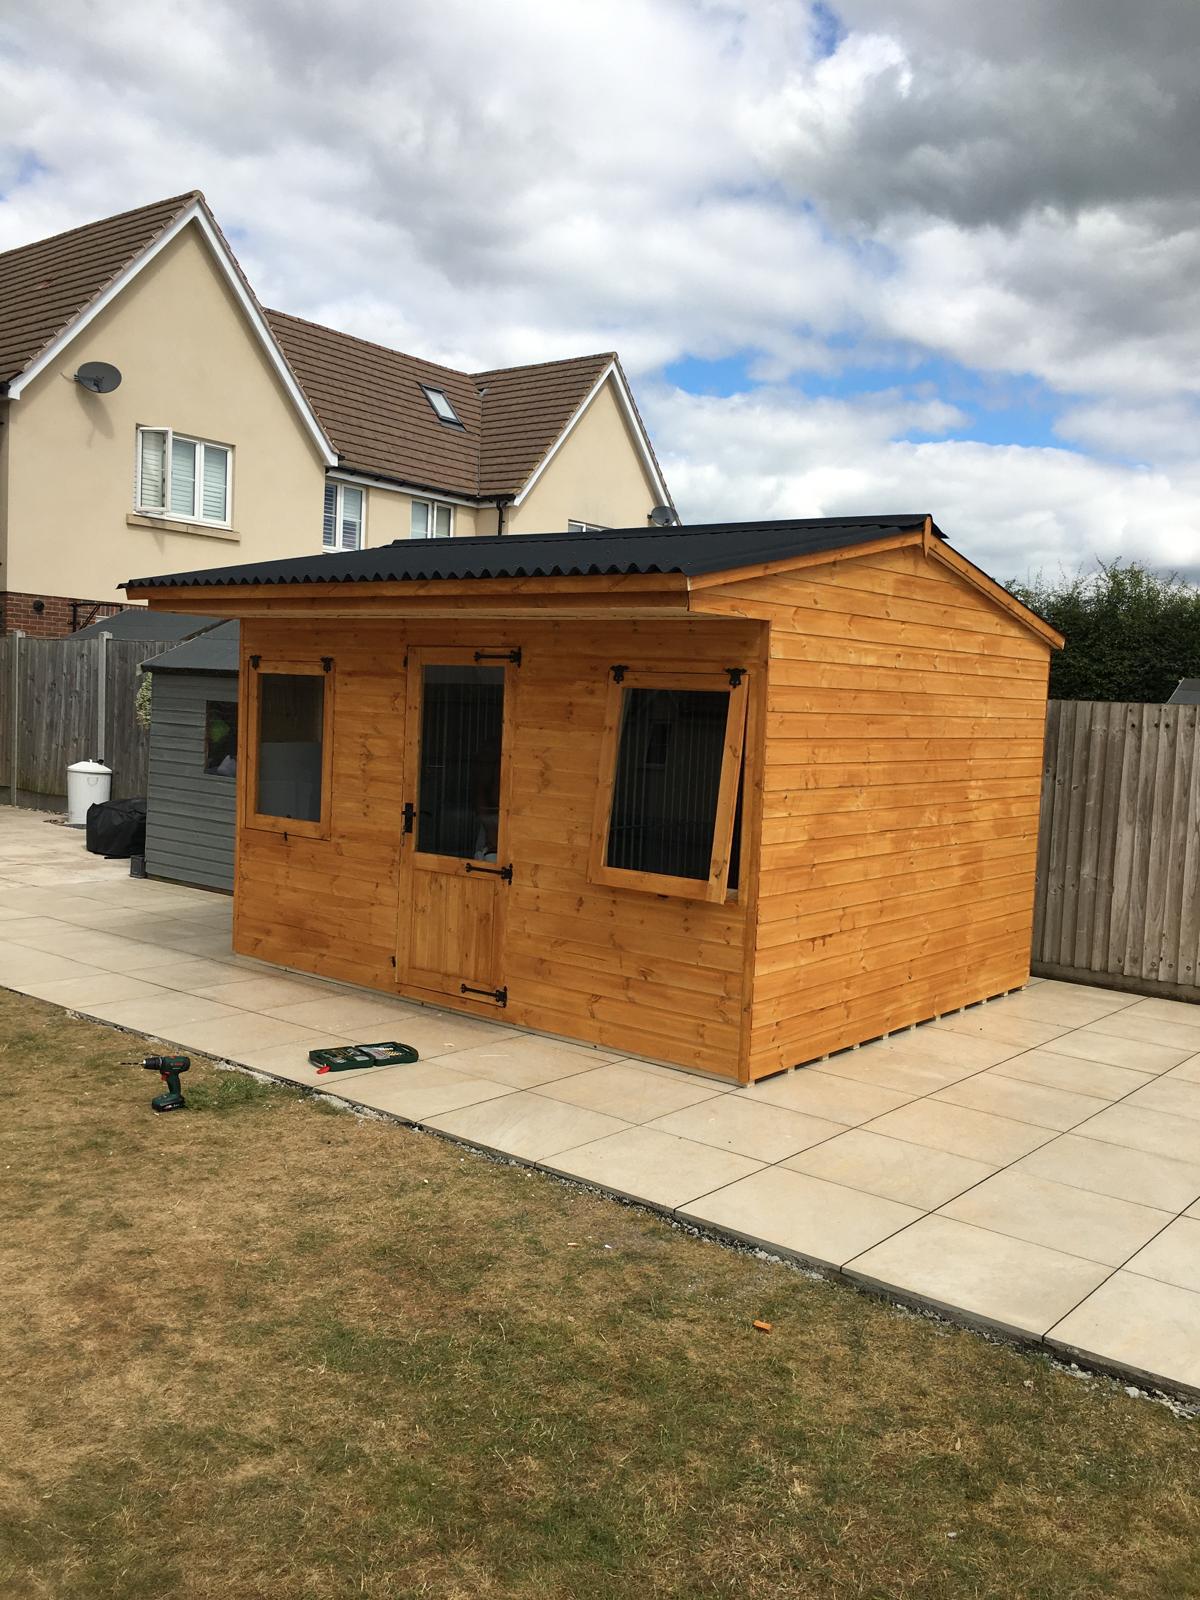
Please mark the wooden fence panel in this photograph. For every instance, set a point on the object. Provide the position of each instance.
(1118, 894)
(58, 713)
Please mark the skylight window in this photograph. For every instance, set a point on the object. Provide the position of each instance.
(440, 402)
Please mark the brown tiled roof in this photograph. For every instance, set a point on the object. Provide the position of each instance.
(45, 285)
(370, 402)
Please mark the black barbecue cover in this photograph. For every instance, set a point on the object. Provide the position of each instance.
(117, 828)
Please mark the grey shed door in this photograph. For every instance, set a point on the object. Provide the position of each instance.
(191, 811)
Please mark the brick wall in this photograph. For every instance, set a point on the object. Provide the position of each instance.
(49, 616)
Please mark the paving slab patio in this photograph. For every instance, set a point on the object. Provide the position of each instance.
(1031, 1164)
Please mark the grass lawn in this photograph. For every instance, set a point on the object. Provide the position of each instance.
(268, 1349)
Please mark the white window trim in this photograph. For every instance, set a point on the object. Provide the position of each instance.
(164, 512)
(577, 525)
(433, 507)
(341, 485)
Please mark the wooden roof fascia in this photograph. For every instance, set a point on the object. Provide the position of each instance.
(995, 592)
(814, 558)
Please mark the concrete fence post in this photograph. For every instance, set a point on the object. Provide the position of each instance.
(102, 695)
(14, 713)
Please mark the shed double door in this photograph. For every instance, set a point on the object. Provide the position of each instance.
(455, 869)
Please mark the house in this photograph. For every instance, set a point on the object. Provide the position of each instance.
(729, 797)
(154, 417)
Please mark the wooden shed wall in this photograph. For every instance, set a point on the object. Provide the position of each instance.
(190, 813)
(904, 725)
(637, 972)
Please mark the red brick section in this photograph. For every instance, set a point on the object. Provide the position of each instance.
(50, 616)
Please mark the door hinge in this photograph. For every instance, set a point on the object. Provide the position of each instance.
(409, 813)
(327, 663)
(500, 996)
(618, 673)
(254, 661)
(494, 872)
(499, 655)
(736, 674)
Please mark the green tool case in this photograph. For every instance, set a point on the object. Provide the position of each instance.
(353, 1057)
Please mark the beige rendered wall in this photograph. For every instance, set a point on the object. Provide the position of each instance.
(389, 517)
(596, 476)
(189, 361)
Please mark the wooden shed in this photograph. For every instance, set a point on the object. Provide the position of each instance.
(730, 797)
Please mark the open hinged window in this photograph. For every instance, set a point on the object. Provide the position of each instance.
(290, 746)
(668, 795)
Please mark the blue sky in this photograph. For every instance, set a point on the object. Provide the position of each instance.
(904, 253)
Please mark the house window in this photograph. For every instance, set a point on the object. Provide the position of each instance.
(342, 528)
(442, 408)
(288, 781)
(431, 519)
(220, 738)
(182, 477)
(668, 801)
(575, 526)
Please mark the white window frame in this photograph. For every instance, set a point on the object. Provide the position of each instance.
(432, 507)
(331, 549)
(165, 511)
(577, 525)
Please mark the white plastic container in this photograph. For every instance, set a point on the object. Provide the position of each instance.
(89, 783)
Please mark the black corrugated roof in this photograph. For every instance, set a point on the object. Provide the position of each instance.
(691, 551)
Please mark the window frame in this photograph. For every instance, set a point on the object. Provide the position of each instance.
(165, 511)
(714, 888)
(453, 420)
(248, 745)
(340, 486)
(578, 525)
(434, 506)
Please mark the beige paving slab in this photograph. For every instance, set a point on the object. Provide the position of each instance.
(978, 1135)
(524, 1060)
(763, 1132)
(912, 1174)
(706, 1080)
(1174, 1096)
(1173, 1034)
(781, 1209)
(1142, 1055)
(160, 1014)
(964, 1053)
(1155, 1132)
(101, 988)
(623, 1090)
(1007, 1283)
(290, 1061)
(892, 1070)
(39, 933)
(20, 965)
(131, 955)
(1059, 1109)
(1106, 1168)
(1188, 1070)
(428, 1030)
(1185, 1012)
(237, 986)
(423, 1089)
(235, 1035)
(527, 1125)
(1138, 1323)
(1172, 1256)
(1078, 1221)
(657, 1168)
(196, 975)
(1074, 1073)
(821, 1094)
(1046, 1005)
(992, 1021)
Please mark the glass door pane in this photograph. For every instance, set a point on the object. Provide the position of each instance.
(458, 794)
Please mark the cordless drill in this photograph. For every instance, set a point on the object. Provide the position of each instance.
(168, 1069)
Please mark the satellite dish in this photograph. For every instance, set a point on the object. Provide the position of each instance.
(98, 376)
(664, 517)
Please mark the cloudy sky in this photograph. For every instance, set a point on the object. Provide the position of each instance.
(915, 255)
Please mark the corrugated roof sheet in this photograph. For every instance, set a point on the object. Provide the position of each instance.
(45, 285)
(692, 551)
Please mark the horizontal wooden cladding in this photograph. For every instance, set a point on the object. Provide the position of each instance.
(854, 867)
(781, 835)
(823, 909)
(801, 684)
(954, 787)
(864, 776)
(802, 657)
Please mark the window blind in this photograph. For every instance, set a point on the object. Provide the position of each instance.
(215, 493)
(352, 509)
(329, 522)
(152, 469)
(183, 477)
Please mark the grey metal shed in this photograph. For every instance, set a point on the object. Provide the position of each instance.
(192, 789)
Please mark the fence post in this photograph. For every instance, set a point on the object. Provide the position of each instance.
(14, 715)
(102, 695)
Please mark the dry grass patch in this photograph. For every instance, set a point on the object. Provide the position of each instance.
(267, 1349)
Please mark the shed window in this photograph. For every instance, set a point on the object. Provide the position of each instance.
(220, 737)
(670, 781)
(289, 782)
